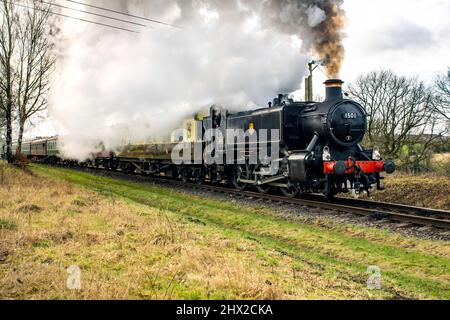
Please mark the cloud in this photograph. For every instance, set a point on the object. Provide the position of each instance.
(404, 35)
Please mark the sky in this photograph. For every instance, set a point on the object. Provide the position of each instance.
(411, 37)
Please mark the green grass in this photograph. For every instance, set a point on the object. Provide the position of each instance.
(6, 224)
(410, 268)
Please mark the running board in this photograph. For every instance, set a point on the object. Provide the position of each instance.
(147, 171)
(263, 182)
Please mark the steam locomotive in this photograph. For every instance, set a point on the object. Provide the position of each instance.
(319, 149)
(320, 146)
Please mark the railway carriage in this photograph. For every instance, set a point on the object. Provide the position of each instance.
(26, 148)
(39, 148)
(52, 147)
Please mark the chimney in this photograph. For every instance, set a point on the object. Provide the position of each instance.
(333, 89)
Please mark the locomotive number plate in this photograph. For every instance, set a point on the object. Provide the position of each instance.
(349, 115)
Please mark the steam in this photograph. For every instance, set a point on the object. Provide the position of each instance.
(319, 23)
(116, 87)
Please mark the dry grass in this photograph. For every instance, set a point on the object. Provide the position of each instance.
(151, 251)
(129, 251)
(162, 245)
(424, 190)
(440, 163)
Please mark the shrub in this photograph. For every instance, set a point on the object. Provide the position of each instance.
(21, 159)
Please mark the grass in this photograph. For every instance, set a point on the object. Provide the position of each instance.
(423, 190)
(440, 163)
(137, 241)
(6, 224)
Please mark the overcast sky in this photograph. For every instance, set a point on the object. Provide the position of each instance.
(411, 37)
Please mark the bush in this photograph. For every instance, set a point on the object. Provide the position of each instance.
(440, 163)
(20, 159)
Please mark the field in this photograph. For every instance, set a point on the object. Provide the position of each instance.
(137, 241)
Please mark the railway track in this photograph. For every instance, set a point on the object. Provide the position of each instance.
(376, 210)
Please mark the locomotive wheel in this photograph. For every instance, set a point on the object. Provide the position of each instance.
(291, 192)
(264, 189)
(199, 176)
(113, 165)
(186, 175)
(241, 172)
(130, 169)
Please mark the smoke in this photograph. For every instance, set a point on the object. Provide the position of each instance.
(116, 87)
(319, 23)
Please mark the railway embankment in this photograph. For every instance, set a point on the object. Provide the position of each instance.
(429, 190)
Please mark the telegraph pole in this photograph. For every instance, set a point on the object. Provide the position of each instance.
(309, 92)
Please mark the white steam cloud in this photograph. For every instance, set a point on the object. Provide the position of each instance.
(115, 87)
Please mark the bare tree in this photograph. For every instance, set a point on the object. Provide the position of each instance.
(443, 91)
(8, 34)
(401, 112)
(26, 62)
(35, 65)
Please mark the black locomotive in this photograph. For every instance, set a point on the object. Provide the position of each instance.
(320, 148)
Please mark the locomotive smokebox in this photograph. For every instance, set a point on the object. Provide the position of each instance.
(333, 89)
